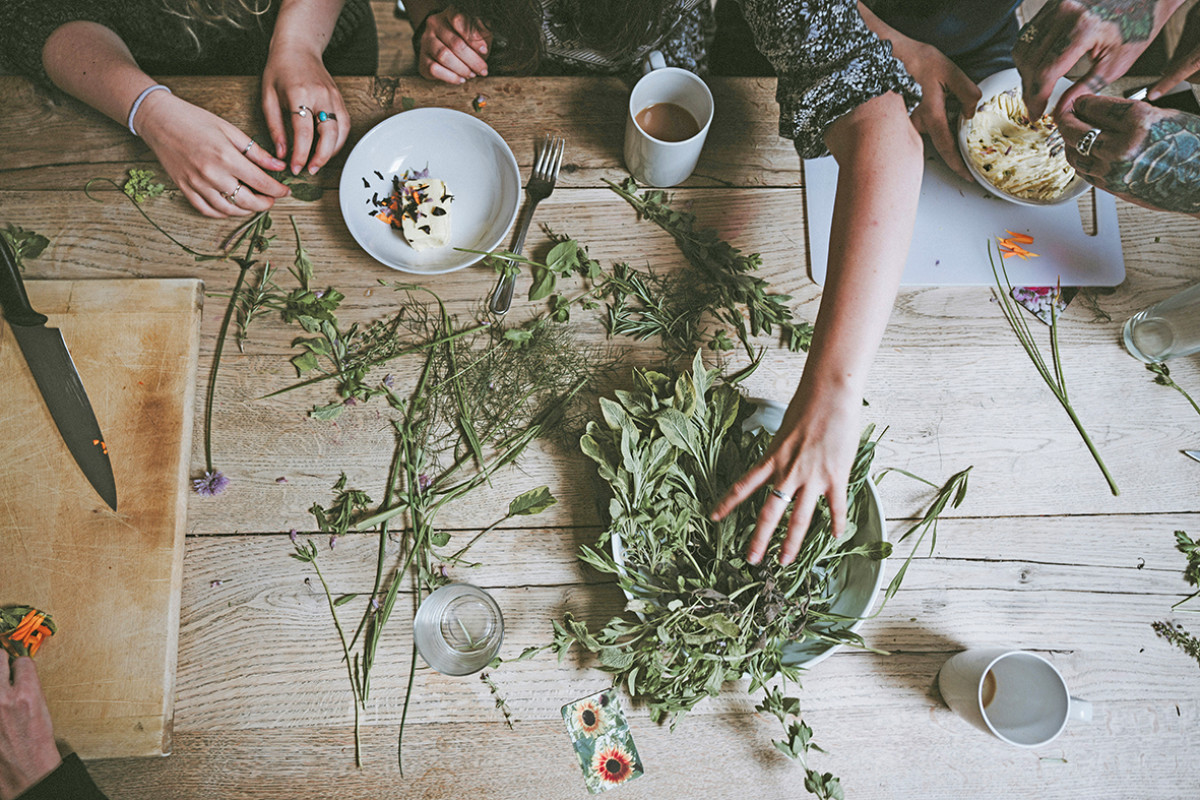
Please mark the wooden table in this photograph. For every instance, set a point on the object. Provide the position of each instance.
(1040, 556)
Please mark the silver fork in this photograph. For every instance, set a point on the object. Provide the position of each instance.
(541, 183)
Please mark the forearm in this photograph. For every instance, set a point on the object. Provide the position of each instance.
(305, 25)
(880, 164)
(91, 63)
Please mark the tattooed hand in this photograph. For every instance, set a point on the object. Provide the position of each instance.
(1113, 33)
(1147, 155)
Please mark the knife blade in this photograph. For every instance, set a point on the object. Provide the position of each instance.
(1194, 455)
(57, 379)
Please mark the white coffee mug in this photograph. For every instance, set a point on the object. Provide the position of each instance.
(652, 161)
(1017, 696)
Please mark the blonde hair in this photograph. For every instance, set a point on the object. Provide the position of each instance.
(217, 13)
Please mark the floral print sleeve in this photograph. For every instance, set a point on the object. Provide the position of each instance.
(828, 63)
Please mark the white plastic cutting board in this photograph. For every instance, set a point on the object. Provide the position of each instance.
(955, 222)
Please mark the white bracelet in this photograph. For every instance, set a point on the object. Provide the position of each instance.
(137, 104)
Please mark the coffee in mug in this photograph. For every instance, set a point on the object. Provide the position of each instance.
(667, 122)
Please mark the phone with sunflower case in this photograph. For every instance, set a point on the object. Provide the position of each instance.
(603, 743)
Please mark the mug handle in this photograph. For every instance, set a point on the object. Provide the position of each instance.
(1079, 710)
(653, 60)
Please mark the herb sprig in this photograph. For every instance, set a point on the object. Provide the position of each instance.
(1053, 374)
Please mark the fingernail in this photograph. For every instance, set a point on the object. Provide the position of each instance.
(473, 75)
(295, 169)
(1152, 95)
(313, 170)
(483, 72)
(754, 558)
(462, 80)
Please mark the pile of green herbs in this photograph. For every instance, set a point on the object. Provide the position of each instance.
(667, 451)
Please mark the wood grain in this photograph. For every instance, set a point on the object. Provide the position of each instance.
(110, 579)
(1040, 556)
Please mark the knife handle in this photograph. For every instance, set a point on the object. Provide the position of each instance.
(13, 299)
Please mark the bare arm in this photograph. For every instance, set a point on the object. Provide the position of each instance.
(295, 76)
(880, 163)
(200, 151)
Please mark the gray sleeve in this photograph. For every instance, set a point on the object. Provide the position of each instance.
(828, 63)
(25, 25)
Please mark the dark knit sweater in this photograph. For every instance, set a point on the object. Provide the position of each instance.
(159, 41)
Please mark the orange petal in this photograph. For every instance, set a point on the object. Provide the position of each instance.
(1023, 238)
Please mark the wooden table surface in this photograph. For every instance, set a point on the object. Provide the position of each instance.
(1040, 556)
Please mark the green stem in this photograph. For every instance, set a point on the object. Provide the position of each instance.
(354, 687)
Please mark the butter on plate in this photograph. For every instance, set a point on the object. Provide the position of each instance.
(425, 215)
(420, 209)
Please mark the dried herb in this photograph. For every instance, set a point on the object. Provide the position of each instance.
(1053, 375)
(667, 451)
(724, 286)
(1162, 376)
(140, 185)
(1175, 633)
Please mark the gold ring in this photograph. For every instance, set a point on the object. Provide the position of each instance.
(231, 195)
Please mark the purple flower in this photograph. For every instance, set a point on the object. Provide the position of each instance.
(349, 401)
(211, 485)
(281, 480)
(442, 569)
(332, 540)
(215, 584)
(423, 482)
(374, 603)
(387, 380)
(292, 534)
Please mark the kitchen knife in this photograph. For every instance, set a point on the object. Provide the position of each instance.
(57, 379)
(1194, 455)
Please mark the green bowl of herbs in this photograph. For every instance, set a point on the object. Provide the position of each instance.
(698, 614)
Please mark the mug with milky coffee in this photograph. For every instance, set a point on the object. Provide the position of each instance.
(670, 111)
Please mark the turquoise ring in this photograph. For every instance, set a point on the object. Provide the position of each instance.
(325, 116)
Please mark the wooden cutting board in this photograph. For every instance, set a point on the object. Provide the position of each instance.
(111, 580)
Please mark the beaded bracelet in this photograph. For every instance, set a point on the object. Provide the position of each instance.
(137, 104)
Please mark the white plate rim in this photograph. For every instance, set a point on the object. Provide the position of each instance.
(347, 185)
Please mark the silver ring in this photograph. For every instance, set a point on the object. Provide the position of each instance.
(780, 494)
(1084, 145)
(249, 145)
(229, 196)
(302, 111)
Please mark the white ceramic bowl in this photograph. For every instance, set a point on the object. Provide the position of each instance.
(464, 151)
(991, 86)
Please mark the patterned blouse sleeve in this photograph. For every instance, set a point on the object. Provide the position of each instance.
(828, 63)
(25, 25)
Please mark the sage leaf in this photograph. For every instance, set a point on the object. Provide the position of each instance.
(534, 501)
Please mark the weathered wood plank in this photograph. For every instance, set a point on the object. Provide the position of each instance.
(743, 146)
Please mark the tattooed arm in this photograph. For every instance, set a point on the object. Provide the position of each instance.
(1113, 33)
(1147, 155)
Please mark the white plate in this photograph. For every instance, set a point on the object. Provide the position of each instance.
(474, 161)
(991, 86)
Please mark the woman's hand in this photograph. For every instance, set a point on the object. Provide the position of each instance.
(943, 87)
(300, 95)
(453, 47)
(213, 163)
(810, 456)
(27, 750)
(1147, 155)
(1113, 33)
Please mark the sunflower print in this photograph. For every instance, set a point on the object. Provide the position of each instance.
(613, 764)
(589, 717)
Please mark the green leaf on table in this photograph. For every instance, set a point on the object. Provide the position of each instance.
(534, 501)
(439, 538)
(25, 244)
(329, 412)
(140, 185)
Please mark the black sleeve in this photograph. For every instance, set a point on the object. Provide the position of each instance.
(69, 782)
